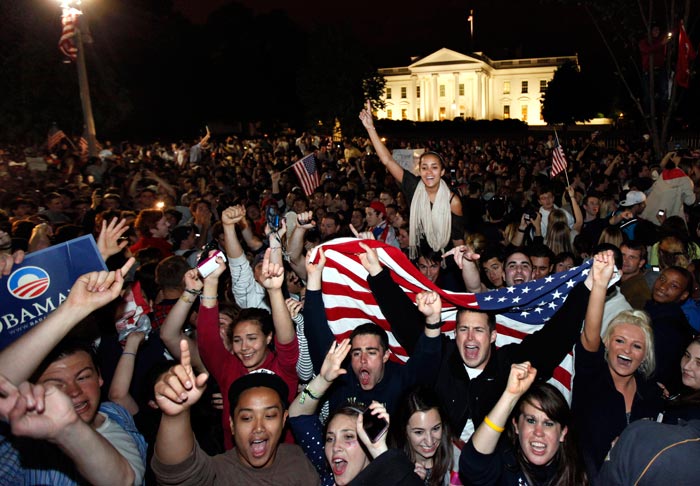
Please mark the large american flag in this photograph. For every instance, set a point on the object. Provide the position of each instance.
(558, 158)
(523, 308)
(307, 173)
(66, 44)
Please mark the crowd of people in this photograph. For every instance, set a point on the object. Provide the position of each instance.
(155, 372)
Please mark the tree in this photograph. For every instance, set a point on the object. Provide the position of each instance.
(566, 101)
(625, 26)
(335, 78)
(373, 86)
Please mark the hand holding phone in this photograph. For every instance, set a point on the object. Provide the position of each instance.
(374, 426)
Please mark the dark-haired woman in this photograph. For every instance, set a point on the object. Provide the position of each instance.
(537, 449)
(435, 217)
(249, 336)
(343, 454)
(423, 433)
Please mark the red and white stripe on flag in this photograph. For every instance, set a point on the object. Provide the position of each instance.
(66, 43)
(558, 160)
(349, 301)
(307, 173)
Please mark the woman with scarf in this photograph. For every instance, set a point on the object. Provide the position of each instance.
(436, 212)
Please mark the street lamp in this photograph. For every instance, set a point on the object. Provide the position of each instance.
(71, 44)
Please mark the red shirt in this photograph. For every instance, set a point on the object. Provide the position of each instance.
(227, 368)
(166, 249)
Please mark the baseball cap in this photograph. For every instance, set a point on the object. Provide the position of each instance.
(632, 198)
(378, 207)
(255, 379)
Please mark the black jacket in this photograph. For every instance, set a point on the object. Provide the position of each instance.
(465, 398)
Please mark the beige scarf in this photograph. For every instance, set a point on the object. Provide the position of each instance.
(435, 223)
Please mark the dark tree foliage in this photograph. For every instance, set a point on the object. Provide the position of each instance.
(331, 81)
(568, 98)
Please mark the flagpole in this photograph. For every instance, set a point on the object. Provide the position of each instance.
(566, 172)
(83, 85)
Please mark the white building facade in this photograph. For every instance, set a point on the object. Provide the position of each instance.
(447, 84)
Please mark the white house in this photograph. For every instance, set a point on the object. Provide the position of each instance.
(447, 84)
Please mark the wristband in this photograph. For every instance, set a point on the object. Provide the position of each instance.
(433, 327)
(493, 426)
(206, 297)
(306, 391)
(521, 230)
(193, 291)
(128, 353)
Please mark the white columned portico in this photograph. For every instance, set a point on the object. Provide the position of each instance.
(434, 112)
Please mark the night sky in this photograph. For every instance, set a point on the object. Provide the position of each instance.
(396, 30)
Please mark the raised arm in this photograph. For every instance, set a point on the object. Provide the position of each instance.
(307, 400)
(176, 392)
(318, 334)
(119, 389)
(246, 291)
(108, 240)
(599, 277)
(229, 218)
(382, 152)
(295, 242)
(488, 434)
(90, 292)
(578, 215)
(171, 330)
(468, 261)
(48, 414)
(272, 279)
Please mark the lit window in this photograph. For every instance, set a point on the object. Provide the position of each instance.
(523, 112)
(389, 114)
(506, 87)
(417, 91)
(442, 113)
(523, 88)
(461, 90)
(404, 114)
(403, 92)
(506, 112)
(543, 85)
(442, 90)
(388, 93)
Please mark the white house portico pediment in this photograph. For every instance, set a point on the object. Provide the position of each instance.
(444, 57)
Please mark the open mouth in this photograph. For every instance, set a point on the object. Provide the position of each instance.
(81, 407)
(624, 360)
(471, 351)
(538, 448)
(339, 466)
(364, 377)
(258, 448)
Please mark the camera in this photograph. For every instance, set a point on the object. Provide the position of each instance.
(210, 264)
(273, 218)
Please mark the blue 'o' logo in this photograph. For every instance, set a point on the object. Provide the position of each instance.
(28, 282)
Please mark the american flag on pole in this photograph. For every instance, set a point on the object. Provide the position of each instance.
(523, 308)
(558, 158)
(55, 136)
(66, 44)
(305, 170)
